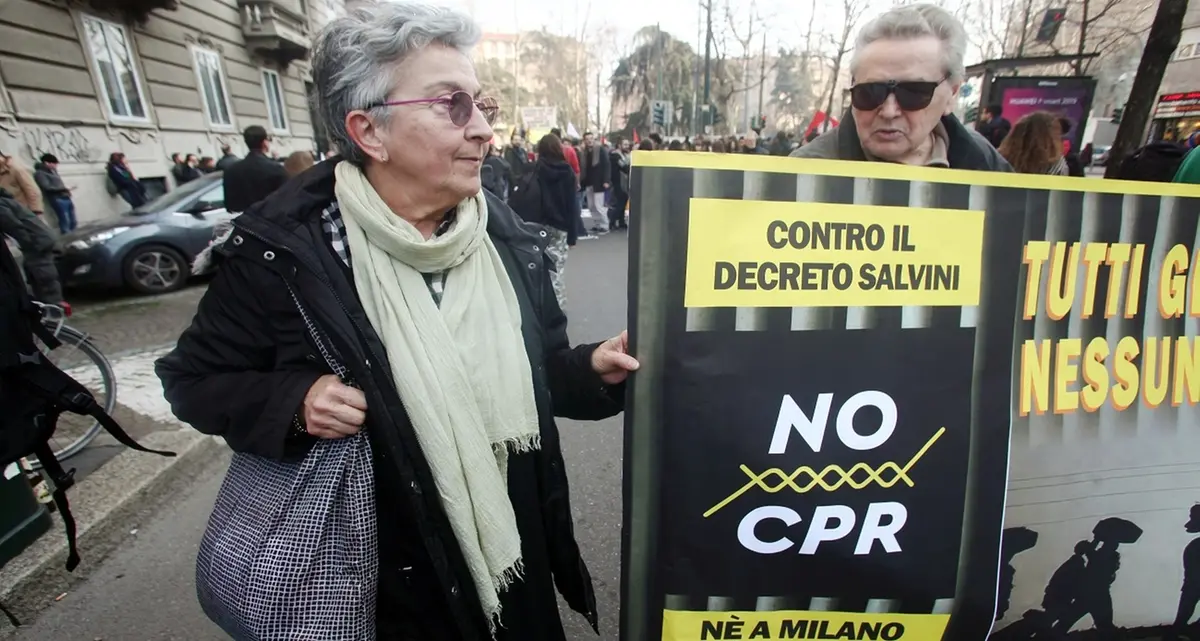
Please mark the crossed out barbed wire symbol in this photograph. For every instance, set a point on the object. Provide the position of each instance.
(817, 479)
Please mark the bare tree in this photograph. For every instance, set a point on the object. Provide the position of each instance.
(1160, 46)
(840, 44)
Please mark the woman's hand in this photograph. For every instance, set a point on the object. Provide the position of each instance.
(612, 361)
(332, 409)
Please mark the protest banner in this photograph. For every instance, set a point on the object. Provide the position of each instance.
(887, 402)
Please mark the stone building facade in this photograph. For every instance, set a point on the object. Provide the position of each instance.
(82, 79)
(1177, 112)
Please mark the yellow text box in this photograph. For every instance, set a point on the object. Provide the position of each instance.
(679, 625)
(786, 254)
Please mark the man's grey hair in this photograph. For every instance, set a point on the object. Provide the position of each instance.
(913, 21)
(354, 59)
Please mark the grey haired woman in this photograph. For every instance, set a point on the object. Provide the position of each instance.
(382, 303)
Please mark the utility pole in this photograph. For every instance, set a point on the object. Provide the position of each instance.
(662, 49)
(762, 81)
(696, 73)
(708, 56)
(599, 125)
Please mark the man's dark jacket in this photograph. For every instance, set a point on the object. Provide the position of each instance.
(595, 170)
(226, 161)
(250, 180)
(995, 130)
(244, 366)
(967, 149)
(37, 248)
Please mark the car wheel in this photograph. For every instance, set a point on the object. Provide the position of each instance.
(155, 269)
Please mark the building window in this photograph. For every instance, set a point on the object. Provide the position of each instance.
(274, 92)
(212, 86)
(113, 60)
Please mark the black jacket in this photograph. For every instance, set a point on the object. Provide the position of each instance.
(967, 149)
(243, 367)
(250, 180)
(226, 161)
(995, 130)
(595, 170)
(37, 248)
(559, 203)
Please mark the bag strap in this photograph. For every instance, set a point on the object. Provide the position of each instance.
(62, 481)
(68, 395)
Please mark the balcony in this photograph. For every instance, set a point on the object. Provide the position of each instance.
(137, 10)
(276, 29)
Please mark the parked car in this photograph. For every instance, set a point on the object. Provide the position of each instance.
(1100, 155)
(149, 249)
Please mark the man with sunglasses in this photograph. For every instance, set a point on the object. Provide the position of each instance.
(907, 68)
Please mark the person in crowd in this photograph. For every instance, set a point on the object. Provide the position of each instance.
(55, 192)
(1087, 155)
(907, 68)
(781, 144)
(227, 158)
(192, 167)
(1157, 161)
(993, 125)
(568, 151)
(718, 146)
(207, 165)
(19, 183)
(1034, 145)
(178, 168)
(37, 248)
(621, 164)
(658, 141)
(1070, 156)
(751, 144)
(254, 177)
(297, 162)
(1189, 169)
(675, 145)
(122, 182)
(440, 305)
(556, 180)
(517, 157)
(495, 174)
(595, 177)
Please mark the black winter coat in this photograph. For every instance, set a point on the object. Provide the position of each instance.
(242, 369)
(250, 180)
(557, 181)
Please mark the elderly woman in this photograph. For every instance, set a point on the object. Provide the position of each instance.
(384, 294)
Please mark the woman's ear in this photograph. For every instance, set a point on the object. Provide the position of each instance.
(367, 134)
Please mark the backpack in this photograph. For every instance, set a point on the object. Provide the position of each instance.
(526, 199)
(34, 393)
(1156, 162)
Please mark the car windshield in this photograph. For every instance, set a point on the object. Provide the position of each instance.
(174, 199)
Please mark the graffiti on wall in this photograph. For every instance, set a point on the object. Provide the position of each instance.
(69, 145)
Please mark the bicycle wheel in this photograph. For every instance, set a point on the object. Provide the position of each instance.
(79, 358)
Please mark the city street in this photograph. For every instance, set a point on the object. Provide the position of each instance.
(145, 591)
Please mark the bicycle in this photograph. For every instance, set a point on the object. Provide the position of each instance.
(80, 358)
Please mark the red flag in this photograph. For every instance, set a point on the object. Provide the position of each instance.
(636, 139)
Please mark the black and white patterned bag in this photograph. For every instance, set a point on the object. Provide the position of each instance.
(290, 549)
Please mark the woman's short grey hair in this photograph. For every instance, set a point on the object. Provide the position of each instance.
(354, 59)
(918, 21)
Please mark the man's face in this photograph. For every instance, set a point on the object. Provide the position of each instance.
(626, 146)
(587, 140)
(889, 132)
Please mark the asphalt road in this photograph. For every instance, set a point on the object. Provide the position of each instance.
(145, 591)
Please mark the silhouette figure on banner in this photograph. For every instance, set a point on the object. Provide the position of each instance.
(1082, 585)
(1013, 541)
(1189, 595)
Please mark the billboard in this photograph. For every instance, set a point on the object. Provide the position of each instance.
(888, 402)
(1068, 97)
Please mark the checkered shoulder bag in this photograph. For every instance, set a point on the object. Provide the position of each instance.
(290, 551)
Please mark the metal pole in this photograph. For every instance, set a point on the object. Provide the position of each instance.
(708, 55)
(762, 82)
(658, 35)
(696, 73)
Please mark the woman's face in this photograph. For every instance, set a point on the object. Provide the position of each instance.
(423, 146)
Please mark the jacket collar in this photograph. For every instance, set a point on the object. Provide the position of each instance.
(962, 152)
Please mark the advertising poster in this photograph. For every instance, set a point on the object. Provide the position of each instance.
(1068, 97)
(884, 402)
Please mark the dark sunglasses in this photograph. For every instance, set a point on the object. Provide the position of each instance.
(460, 105)
(911, 95)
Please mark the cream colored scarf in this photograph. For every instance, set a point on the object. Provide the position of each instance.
(461, 369)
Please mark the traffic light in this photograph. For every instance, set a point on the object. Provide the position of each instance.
(1117, 113)
(1050, 24)
(658, 114)
(758, 123)
(717, 118)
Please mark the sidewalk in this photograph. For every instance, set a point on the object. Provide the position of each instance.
(118, 488)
